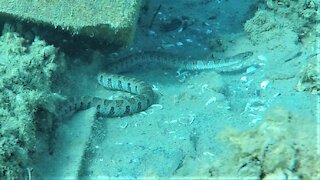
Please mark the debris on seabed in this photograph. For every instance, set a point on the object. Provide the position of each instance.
(166, 46)
(264, 84)
(151, 109)
(255, 105)
(159, 106)
(211, 100)
(251, 69)
(152, 33)
(179, 44)
(29, 171)
(204, 88)
(182, 75)
(124, 126)
(187, 120)
(262, 58)
(155, 88)
(276, 95)
(207, 153)
(244, 79)
(189, 40)
(190, 86)
(256, 120)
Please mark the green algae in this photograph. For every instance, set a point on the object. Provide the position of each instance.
(26, 100)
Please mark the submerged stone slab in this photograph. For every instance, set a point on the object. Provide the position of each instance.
(71, 141)
(112, 20)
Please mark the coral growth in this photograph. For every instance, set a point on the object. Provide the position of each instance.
(310, 77)
(262, 22)
(266, 28)
(303, 14)
(280, 17)
(283, 146)
(25, 100)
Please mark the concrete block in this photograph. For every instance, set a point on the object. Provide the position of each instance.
(112, 20)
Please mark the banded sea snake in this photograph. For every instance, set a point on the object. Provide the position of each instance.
(142, 93)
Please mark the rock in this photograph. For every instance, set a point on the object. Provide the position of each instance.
(112, 21)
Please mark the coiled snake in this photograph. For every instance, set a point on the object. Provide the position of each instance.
(142, 93)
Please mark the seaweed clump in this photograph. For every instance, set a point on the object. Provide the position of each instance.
(26, 101)
(283, 146)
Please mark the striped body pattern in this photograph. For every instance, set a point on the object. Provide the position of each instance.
(177, 62)
(142, 93)
(143, 96)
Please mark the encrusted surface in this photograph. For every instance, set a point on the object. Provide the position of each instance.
(100, 19)
(25, 101)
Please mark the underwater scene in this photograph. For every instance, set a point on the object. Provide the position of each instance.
(160, 89)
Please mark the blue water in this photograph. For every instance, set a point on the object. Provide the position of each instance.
(186, 132)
